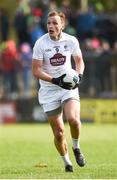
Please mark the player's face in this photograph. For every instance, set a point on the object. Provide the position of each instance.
(54, 26)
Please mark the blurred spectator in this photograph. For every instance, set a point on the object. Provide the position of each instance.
(85, 23)
(24, 5)
(52, 5)
(37, 12)
(2, 46)
(36, 32)
(104, 68)
(21, 27)
(4, 25)
(69, 11)
(115, 47)
(34, 25)
(42, 4)
(69, 28)
(26, 71)
(105, 28)
(9, 63)
(92, 44)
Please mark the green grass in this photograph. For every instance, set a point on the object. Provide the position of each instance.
(28, 152)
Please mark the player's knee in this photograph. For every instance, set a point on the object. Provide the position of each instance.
(59, 135)
(74, 122)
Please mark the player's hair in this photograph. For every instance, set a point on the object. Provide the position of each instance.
(60, 14)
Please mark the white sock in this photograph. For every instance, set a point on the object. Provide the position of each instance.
(66, 159)
(76, 143)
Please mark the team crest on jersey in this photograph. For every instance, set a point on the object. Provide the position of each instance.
(57, 60)
(66, 48)
(57, 48)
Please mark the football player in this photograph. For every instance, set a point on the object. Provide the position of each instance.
(51, 59)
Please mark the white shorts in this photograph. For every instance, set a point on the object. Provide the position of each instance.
(52, 98)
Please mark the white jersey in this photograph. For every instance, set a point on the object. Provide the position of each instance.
(56, 55)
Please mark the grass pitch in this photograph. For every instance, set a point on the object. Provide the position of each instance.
(28, 152)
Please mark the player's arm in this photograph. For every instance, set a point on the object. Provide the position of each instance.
(77, 56)
(79, 64)
(38, 71)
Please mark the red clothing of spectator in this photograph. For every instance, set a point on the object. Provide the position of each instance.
(9, 57)
(9, 61)
(37, 12)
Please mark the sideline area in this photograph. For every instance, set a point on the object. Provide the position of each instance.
(29, 111)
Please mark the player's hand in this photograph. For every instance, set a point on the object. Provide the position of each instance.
(59, 81)
(80, 76)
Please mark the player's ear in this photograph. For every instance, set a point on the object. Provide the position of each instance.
(62, 27)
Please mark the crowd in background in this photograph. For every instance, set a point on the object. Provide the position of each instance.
(95, 30)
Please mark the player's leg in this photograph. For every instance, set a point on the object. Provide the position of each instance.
(57, 126)
(72, 114)
(50, 100)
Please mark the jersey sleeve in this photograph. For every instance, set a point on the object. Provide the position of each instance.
(38, 51)
(76, 51)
